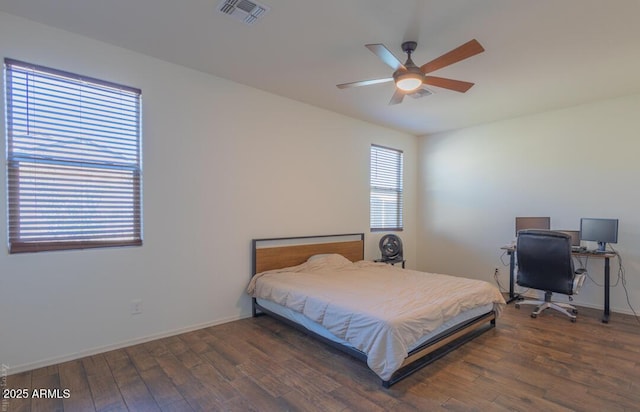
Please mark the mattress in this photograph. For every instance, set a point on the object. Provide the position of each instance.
(318, 329)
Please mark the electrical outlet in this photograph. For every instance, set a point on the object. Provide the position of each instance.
(136, 306)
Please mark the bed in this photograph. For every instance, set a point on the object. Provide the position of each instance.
(396, 320)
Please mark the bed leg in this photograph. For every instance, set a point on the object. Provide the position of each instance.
(254, 312)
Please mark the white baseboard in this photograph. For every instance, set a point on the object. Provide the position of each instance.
(12, 370)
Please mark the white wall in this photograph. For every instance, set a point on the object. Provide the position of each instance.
(223, 163)
(576, 162)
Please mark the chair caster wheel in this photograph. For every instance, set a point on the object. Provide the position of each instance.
(533, 315)
(573, 320)
(517, 306)
(574, 311)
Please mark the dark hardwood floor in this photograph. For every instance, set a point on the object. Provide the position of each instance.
(524, 364)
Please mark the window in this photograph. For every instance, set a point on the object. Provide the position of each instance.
(386, 188)
(73, 160)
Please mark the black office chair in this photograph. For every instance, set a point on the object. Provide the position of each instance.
(545, 263)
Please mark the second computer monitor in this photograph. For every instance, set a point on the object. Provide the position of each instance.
(523, 223)
(602, 231)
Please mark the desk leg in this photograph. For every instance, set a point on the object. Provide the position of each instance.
(512, 266)
(607, 284)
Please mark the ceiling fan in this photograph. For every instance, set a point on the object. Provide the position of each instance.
(410, 78)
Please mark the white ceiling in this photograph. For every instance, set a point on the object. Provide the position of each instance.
(540, 54)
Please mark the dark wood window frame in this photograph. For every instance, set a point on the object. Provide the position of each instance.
(74, 162)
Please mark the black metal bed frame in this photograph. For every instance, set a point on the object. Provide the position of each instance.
(414, 366)
(434, 348)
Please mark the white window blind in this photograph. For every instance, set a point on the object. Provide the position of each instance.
(386, 188)
(73, 159)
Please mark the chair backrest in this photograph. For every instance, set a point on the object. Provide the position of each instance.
(544, 261)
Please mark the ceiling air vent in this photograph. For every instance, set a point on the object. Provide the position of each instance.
(244, 10)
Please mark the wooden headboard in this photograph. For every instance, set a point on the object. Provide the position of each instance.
(277, 253)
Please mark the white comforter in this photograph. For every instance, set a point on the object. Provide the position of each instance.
(379, 309)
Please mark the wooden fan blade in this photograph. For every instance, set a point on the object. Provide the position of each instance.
(385, 55)
(457, 85)
(397, 97)
(470, 48)
(364, 83)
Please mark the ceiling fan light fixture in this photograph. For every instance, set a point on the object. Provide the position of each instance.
(408, 81)
(409, 78)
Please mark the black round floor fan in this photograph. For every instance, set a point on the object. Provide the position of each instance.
(391, 248)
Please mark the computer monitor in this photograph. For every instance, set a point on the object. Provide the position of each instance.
(532, 223)
(575, 236)
(602, 231)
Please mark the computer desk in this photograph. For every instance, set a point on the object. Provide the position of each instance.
(511, 251)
